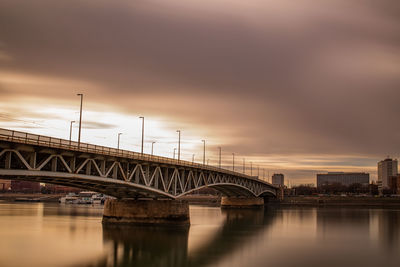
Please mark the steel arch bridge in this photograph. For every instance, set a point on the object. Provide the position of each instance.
(115, 172)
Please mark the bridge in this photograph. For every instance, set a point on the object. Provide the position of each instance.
(120, 173)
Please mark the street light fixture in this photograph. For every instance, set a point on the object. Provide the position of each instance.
(80, 121)
(204, 152)
(219, 157)
(152, 146)
(233, 161)
(179, 144)
(174, 152)
(119, 135)
(70, 131)
(142, 133)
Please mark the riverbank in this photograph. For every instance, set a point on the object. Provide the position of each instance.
(20, 197)
(348, 201)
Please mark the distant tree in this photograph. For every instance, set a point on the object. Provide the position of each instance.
(355, 188)
(305, 190)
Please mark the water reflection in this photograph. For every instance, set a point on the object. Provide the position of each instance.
(59, 235)
(168, 246)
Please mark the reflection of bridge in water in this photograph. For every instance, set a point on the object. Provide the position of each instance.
(168, 246)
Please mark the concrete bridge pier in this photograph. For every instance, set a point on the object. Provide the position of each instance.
(242, 202)
(146, 212)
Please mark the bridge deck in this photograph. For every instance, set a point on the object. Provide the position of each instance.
(122, 168)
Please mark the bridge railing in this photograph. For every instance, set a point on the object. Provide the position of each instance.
(52, 142)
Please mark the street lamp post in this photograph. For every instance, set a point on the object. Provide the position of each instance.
(174, 152)
(70, 131)
(220, 157)
(119, 135)
(80, 121)
(179, 144)
(152, 146)
(142, 133)
(233, 161)
(251, 168)
(193, 159)
(204, 152)
(258, 172)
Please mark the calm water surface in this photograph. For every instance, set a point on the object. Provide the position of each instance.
(44, 235)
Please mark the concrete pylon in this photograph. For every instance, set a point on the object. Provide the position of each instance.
(146, 212)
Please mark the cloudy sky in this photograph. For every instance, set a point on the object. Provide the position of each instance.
(297, 87)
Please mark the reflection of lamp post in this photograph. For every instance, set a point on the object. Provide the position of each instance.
(220, 157)
(70, 131)
(179, 144)
(142, 132)
(119, 135)
(204, 152)
(233, 161)
(152, 145)
(174, 152)
(80, 121)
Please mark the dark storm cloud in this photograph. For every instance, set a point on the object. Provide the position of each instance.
(274, 77)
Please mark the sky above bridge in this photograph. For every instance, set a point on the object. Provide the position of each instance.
(298, 87)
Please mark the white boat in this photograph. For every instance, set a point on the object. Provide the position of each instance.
(71, 198)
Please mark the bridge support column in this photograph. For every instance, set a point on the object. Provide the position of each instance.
(146, 212)
(241, 202)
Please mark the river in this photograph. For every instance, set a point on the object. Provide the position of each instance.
(46, 234)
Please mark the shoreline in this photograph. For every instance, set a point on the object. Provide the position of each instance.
(338, 201)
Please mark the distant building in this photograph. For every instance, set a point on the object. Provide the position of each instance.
(5, 185)
(386, 169)
(278, 179)
(394, 184)
(344, 178)
(25, 187)
(57, 189)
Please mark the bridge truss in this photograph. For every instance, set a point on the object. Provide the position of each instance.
(118, 173)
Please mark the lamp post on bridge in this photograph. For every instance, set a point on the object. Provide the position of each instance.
(193, 159)
(219, 157)
(251, 168)
(70, 131)
(80, 121)
(119, 135)
(152, 146)
(179, 145)
(142, 133)
(204, 152)
(174, 152)
(233, 161)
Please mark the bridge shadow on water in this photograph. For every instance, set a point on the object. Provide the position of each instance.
(168, 246)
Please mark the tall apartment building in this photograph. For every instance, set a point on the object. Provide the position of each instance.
(344, 178)
(278, 179)
(386, 169)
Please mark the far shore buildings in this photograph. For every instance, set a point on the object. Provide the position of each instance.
(344, 178)
(387, 169)
(278, 179)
